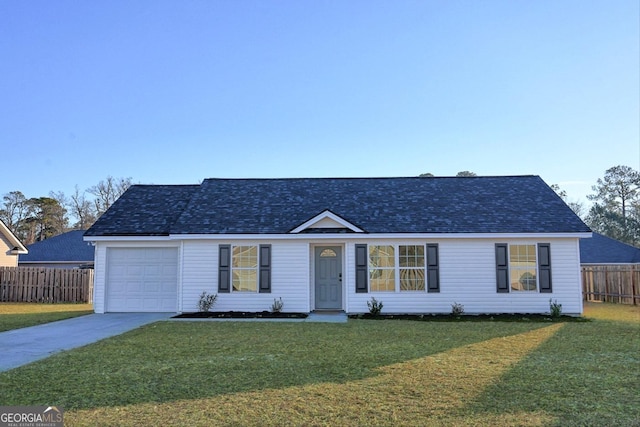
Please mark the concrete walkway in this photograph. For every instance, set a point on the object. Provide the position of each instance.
(21, 346)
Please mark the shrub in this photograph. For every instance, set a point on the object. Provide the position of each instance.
(555, 308)
(277, 305)
(206, 301)
(457, 309)
(375, 306)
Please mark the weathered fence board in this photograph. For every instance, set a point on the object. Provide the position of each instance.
(40, 284)
(611, 283)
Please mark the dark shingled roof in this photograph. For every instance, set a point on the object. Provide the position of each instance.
(144, 210)
(511, 204)
(601, 249)
(64, 247)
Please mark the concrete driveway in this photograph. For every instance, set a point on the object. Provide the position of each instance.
(21, 346)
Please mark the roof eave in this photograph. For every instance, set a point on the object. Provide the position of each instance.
(19, 248)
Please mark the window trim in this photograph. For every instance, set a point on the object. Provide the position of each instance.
(256, 268)
(504, 269)
(397, 285)
(263, 268)
(514, 268)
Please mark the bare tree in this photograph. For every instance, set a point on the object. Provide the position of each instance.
(576, 207)
(14, 211)
(107, 192)
(466, 173)
(81, 209)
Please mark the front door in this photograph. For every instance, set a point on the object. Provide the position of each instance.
(328, 278)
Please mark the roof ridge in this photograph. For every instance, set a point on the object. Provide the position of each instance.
(371, 178)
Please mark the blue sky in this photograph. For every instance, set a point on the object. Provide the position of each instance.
(172, 92)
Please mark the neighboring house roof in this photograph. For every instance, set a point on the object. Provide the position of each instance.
(67, 247)
(508, 204)
(15, 243)
(601, 249)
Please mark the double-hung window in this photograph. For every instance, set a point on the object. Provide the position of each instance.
(523, 267)
(397, 268)
(244, 268)
(382, 268)
(412, 267)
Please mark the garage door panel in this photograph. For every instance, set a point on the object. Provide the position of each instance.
(132, 287)
(142, 279)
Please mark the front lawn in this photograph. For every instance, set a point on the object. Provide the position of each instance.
(360, 373)
(20, 315)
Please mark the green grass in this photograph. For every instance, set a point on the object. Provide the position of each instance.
(360, 373)
(21, 315)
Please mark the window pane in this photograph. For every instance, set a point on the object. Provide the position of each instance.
(382, 256)
(328, 253)
(245, 257)
(523, 279)
(245, 280)
(382, 280)
(522, 267)
(411, 279)
(522, 255)
(411, 256)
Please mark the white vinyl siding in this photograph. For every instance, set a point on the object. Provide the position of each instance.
(466, 268)
(199, 273)
(289, 278)
(468, 277)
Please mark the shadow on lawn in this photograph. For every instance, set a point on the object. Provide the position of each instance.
(169, 361)
(585, 374)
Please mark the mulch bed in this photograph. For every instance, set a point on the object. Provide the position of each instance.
(240, 315)
(520, 317)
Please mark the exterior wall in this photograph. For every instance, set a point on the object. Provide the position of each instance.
(99, 277)
(6, 259)
(468, 277)
(289, 277)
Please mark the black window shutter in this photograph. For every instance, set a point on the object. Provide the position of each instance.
(265, 269)
(544, 267)
(433, 274)
(224, 268)
(362, 269)
(502, 268)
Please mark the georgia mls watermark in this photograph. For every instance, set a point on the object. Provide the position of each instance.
(31, 416)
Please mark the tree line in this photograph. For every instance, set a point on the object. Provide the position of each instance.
(616, 205)
(38, 218)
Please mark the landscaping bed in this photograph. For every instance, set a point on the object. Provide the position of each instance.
(518, 317)
(240, 315)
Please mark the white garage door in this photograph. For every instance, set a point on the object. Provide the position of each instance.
(142, 279)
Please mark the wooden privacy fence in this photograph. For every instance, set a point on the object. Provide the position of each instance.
(611, 283)
(40, 284)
